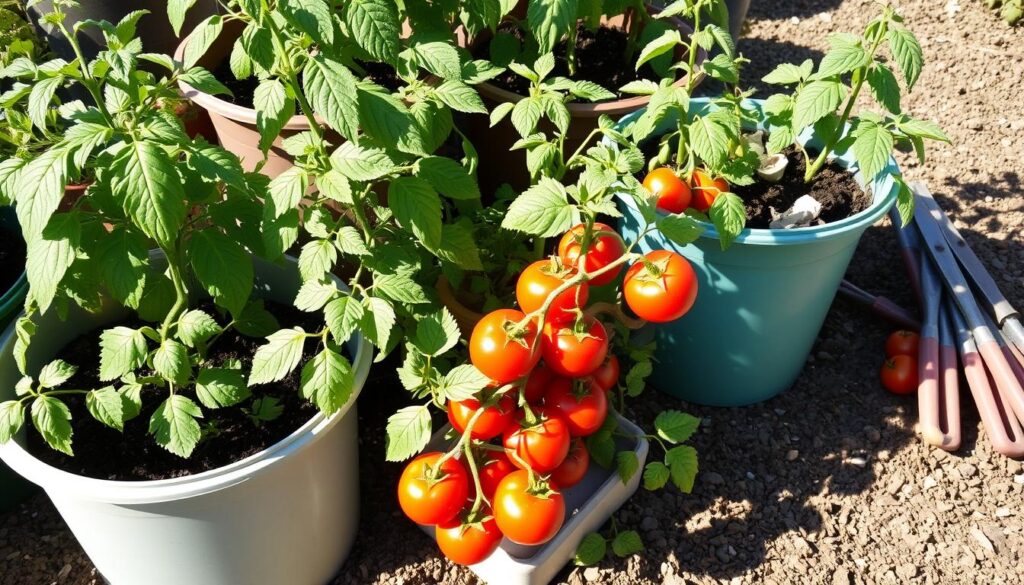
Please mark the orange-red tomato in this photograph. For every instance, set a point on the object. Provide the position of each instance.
(706, 189)
(542, 446)
(537, 384)
(573, 355)
(432, 501)
(902, 342)
(491, 422)
(494, 466)
(899, 374)
(468, 544)
(672, 193)
(540, 279)
(525, 515)
(498, 356)
(665, 294)
(572, 470)
(584, 405)
(607, 376)
(606, 246)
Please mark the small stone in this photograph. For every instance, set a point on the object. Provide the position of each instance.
(1002, 512)
(857, 461)
(906, 571)
(792, 455)
(1019, 479)
(750, 475)
(929, 482)
(713, 478)
(592, 574)
(794, 20)
(648, 524)
(982, 540)
(967, 470)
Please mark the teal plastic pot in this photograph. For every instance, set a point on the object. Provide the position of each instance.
(760, 304)
(13, 489)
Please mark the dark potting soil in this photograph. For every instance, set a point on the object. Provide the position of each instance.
(104, 453)
(834, 187)
(600, 57)
(12, 258)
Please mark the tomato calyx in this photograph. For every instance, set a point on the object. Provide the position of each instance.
(581, 388)
(518, 332)
(540, 487)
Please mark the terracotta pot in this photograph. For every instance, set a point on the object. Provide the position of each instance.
(466, 318)
(498, 163)
(236, 125)
(72, 193)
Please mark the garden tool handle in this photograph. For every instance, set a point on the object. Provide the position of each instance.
(1001, 307)
(895, 313)
(929, 393)
(949, 380)
(910, 246)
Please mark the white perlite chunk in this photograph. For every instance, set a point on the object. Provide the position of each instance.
(804, 211)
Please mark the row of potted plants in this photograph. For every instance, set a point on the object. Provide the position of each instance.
(204, 368)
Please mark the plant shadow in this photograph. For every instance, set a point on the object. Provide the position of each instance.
(776, 10)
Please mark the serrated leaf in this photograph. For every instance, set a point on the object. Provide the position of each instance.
(884, 87)
(627, 543)
(906, 51)
(40, 99)
(458, 247)
(312, 17)
(12, 418)
(387, 120)
(174, 425)
(904, 203)
(56, 373)
(542, 210)
(378, 320)
(460, 97)
(199, 42)
(500, 111)
(448, 177)
(408, 432)
(590, 91)
(52, 419)
(436, 333)
(121, 350)
(550, 20)
(274, 107)
(335, 186)
(816, 100)
(440, 58)
(591, 550)
(223, 268)
(314, 294)
(418, 208)
(682, 465)
(151, 191)
(49, 256)
(601, 446)
(526, 114)
(38, 191)
(463, 382)
(327, 381)
(842, 59)
(401, 288)
(680, 229)
(278, 357)
(729, 215)
(675, 426)
(656, 475)
(668, 41)
(176, 11)
(375, 26)
(923, 129)
(331, 89)
(785, 74)
(361, 164)
(627, 465)
(317, 259)
(343, 316)
(709, 139)
(219, 387)
(255, 321)
(171, 361)
(195, 327)
(872, 147)
(107, 406)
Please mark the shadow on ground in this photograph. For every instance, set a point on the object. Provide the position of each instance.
(782, 9)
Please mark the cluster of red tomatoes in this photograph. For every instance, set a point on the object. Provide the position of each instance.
(675, 195)
(899, 372)
(526, 430)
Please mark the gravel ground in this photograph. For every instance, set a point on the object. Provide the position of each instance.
(826, 483)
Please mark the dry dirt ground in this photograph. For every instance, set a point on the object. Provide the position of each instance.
(826, 483)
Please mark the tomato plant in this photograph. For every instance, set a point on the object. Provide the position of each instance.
(575, 350)
(899, 374)
(491, 422)
(528, 513)
(583, 404)
(501, 349)
(429, 494)
(575, 466)
(672, 192)
(605, 248)
(540, 444)
(662, 287)
(706, 189)
(539, 280)
(468, 543)
(494, 466)
(902, 342)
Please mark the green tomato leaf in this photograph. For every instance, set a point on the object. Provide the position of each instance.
(418, 208)
(170, 360)
(49, 256)
(361, 164)
(907, 54)
(408, 432)
(274, 107)
(375, 26)
(12, 418)
(682, 465)
(627, 465)
(815, 101)
(122, 350)
(56, 373)
(314, 17)
(440, 58)
(217, 387)
(463, 382)
(627, 543)
(448, 177)
(223, 268)
(107, 406)
(200, 41)
(709, 139)
(729, 216)
(38, 191)
(460, 97)
(52, 419)
(331, 89)
(675, 426)
(542, 210)
(680, 229)
(327, 381)
(278, 357)
(195, 327)
(884, 87)
(343, 316)
(314, 294)
(458, 247)
(656, 475)
(872, 147)
(591, 550)
(317, 259)
(550, 20)
(436, 333)
(176, 11)
(668, 41)
(151, 190)
(174, 425)
(841, 59)
(377, 321)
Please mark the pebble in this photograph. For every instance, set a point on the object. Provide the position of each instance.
(649, 523)
(857, 461)
(929, 482)
(1019, 479)
(713, 478)
(792, 455)
(967, 470)
(982, 540)
(975, 124)
(592, 573)
(1002, 512)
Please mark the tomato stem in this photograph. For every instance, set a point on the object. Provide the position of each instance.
(615, 310)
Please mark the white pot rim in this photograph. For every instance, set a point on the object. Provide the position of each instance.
(55, 480)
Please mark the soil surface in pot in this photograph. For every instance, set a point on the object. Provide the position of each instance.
(834, 187)
(104, 453)
(12, 258)
(600, 57)
(244, 89)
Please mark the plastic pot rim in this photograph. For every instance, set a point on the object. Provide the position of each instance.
(162, 490)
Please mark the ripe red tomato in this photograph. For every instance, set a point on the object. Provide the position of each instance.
(607, 376)
(490, 424)
(706, 189)
(497, 355)
(902, 342)
(606, 246)
(899, 374)
(673, 194)
(574, 354)
(665, 292)
(572, 470)
(537, 384)
(539, 280)
(528, 515)
(468, 544)
(494, 466)
(542, 446)
(584, 405)
(432, 501)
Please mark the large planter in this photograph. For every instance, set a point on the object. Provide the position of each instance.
(761, 302)
(154, 29)
(288, 514)
(737, 15)
(13, 489)
(236, 125)
(499, 164)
